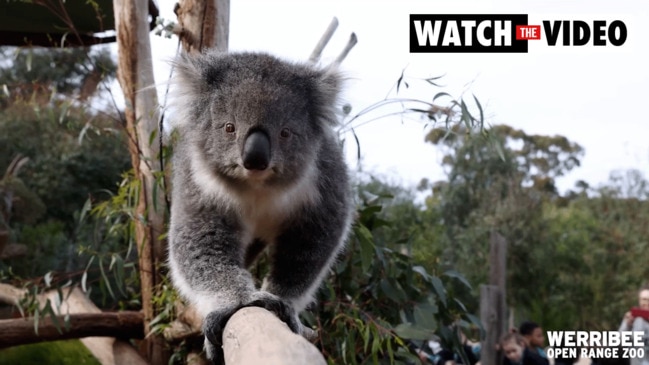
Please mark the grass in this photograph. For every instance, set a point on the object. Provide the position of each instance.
(70, 352)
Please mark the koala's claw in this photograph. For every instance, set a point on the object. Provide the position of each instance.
(213, 327)
(214, 353)
(214, 324)
(281, 309)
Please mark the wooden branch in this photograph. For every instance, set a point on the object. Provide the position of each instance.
(13, 250)
(187, 325)
(126, 324)
(317, 51)
(4, 234)
(109, 351)
(10, 294)
(350, 44)
(256, 336)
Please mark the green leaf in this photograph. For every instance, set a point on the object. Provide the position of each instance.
(66, 322)
(432, 80)
(105, 279)
(475, 321)
(84, 279)
(370, 211)
(409, 331)
(366, 337)
(48, 279)
(400, 79)
(460, 304)
(421, 271)
(456, 275)
(424, 315)
(440, 94)
(358, 144)
(466, 116)
(497, 146)
(37, 318)
(391, 291)
(152, 136)
(112, 262)
(55, 320)
(481, 112)
(87, 206)
(366, 246)
(439, 289)
(28, 60)
(418, 110)
(119, 273)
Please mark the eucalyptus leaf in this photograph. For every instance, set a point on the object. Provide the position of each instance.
(409, 331)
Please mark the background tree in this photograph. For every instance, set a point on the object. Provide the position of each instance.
(499, 184)
(76, 152)
(573, 260)
(41, 74)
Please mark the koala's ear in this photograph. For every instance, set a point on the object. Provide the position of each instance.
(195, 77)
(326, 85)
(198, 73)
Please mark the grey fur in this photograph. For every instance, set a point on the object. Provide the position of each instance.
(222, 214)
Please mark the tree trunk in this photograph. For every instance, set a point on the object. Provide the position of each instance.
(204, 24)
(135, 75)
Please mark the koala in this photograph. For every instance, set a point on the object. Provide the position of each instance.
(256, 165)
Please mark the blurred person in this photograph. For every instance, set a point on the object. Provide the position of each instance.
(432, 352)
(534, 338)
(637, 319)
(516, 351)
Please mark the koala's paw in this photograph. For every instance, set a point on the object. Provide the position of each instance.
(214, 353)
(283, 310)
(213, 327)
(214, 324)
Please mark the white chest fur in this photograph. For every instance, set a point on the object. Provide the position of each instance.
(262, 210)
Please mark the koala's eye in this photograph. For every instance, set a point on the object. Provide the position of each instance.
(285, 133)
(229, 128)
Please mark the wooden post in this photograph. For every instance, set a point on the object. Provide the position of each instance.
(493, 304)
(489, 298)
(498, 275)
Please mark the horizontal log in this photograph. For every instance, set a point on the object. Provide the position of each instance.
(254, 336)
(13, 250)
(125, 324)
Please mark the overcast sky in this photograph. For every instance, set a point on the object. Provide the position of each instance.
(596, 97)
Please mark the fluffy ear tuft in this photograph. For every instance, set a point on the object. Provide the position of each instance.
(186, 86)
(326, 85)
(195, 76)
(188, 73)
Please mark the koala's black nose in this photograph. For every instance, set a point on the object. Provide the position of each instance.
(256, 151)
